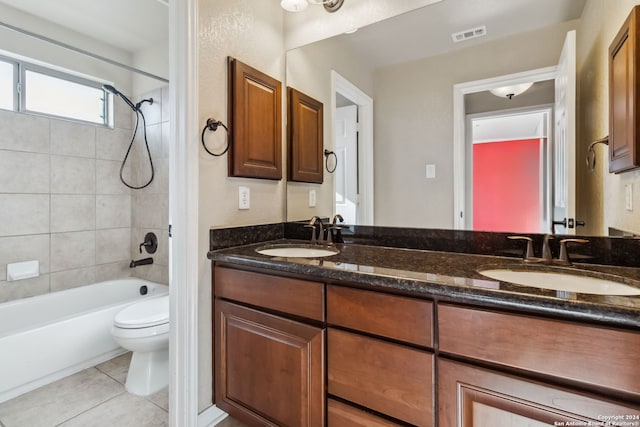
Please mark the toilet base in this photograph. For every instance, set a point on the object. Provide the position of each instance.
(148, 372)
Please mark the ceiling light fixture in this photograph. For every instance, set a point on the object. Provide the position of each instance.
(510, 91)
(300, 5)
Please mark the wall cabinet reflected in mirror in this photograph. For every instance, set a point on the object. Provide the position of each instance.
(305, 137)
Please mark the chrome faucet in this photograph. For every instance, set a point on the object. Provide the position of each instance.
(547, 257)
(319, 236)
(337, 228)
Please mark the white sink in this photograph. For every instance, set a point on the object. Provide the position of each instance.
(562, 282)
(298, 251)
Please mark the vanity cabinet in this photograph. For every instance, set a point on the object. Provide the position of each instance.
(601, 362)
(269, 361)
(369, 361)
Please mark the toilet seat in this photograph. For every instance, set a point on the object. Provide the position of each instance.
(152, 312)
(132, 333)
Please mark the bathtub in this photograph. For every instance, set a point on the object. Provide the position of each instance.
(47, 337)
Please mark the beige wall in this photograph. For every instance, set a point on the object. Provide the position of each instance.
(309, 71)
(413, 122)
(601, 196)
(251, 31)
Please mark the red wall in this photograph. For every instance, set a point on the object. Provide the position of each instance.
(506, 186)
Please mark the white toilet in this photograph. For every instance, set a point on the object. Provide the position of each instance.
(143, 328)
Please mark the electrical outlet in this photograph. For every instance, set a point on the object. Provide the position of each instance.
(628, 196)
(244, 198)
(312, 198)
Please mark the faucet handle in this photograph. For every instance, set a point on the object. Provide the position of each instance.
(313, 232)
(528, 254)
(564, 253)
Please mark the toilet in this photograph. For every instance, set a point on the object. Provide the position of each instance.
(143, 328)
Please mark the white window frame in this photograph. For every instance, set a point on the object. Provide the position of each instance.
(20, 68)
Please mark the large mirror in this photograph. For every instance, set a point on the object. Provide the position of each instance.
(404, 74)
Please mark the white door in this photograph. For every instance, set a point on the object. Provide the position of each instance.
(564, 202)
(347, 163)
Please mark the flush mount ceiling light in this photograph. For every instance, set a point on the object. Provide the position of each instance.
(300, 5)
(510, 91)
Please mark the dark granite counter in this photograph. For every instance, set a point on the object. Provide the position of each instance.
(449, 277)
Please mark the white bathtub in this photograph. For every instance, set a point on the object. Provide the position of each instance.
(48, 337)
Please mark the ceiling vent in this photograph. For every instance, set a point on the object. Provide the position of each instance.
(469, 34)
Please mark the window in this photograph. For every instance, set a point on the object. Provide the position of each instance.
(7, 85)
(35, 89)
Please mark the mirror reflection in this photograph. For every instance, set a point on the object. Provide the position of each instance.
(389, 91)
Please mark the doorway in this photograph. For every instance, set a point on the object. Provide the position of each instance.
(352, 115)
(508, 156)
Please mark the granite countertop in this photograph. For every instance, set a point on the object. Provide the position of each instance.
(450, 277)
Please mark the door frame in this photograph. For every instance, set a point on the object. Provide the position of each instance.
(344, 87)
(460, 128)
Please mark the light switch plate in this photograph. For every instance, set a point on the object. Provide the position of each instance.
(628, 196)
(431, 171)
(312, 198)
(244, 198)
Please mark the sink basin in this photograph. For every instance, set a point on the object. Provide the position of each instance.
(561, 282)
(298, 251)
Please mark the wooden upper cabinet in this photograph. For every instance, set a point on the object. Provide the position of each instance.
(305, 134)
(624, 112)
(255, 116)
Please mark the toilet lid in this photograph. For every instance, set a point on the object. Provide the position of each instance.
(150, 312)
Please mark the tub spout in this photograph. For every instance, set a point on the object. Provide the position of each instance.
(143, 261)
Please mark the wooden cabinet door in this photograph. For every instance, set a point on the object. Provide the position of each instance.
(269, 370)
(624, 150)
(469, 396)
(305, 125)
(388, 378)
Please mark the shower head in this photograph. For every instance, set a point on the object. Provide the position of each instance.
(116, 92)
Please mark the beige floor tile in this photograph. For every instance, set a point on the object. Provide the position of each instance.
(161, 398)
(125, 410)
(117, 367)
(56, 402)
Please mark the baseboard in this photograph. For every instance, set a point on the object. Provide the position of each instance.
(211, 416)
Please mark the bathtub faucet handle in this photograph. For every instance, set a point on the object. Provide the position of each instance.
(150, 243)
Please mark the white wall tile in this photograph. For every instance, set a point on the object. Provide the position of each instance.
(73, 175)
(24, 132)
(24, 214)
(22, 172)
(166, 135)
(113, 245)
(113, 211)
(72, 250)
(24, 288)
(165, 104)
(72, 212)
(108, 178)
(112, 144)
(123, 115)
(24, 248)
(72, 278)
(73, 139)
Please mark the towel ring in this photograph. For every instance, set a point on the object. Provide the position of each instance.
(327, 154)
(212, 125)
(591, 153)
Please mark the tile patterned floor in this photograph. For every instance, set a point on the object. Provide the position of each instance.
(94, 397)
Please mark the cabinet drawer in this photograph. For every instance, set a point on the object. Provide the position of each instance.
(386, 377)
(342, 415)
(589, 354)
(287, 295)
(395, 317)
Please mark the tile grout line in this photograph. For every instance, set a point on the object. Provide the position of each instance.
(91, 408)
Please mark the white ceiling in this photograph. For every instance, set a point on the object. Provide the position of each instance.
(131, 25)
(508, 128)
(427, 31)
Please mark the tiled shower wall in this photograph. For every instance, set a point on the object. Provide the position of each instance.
(62, 203)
